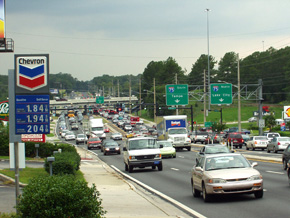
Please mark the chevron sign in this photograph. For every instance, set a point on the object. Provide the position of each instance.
(31, 72)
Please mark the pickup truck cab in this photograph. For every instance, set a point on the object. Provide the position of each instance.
(142, 152)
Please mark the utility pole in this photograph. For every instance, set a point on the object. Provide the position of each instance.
(118, 89)
(239, 97)
(260, 106)
(154, 100)
(130, 94)
(204, 96)
(140, 107)
(176, 83)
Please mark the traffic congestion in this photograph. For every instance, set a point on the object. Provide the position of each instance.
(234, 172)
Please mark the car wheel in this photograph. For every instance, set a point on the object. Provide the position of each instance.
(205, 196)
(247, 148)
(189, 148)
(240, 146)
(160, 167)
(268, 150)
(105, 153)
(274, 150)
(130, 169)
(126, 167)
(195, 192)
(284, 165)
(253, 149)
(174, 156)
(259, 194)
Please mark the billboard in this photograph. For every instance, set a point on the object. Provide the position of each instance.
(2, 19)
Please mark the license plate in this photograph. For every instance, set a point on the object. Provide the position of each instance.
(156, 162)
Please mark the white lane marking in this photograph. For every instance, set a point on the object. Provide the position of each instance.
(181, 156)
(275, 172)
(175, 169)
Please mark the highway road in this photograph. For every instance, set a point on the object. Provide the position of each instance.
(174, 181)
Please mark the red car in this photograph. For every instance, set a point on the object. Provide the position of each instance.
(94, 142)
(236, 139)
(106, 129)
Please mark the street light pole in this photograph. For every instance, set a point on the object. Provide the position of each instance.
(208, 64)
(154, 100)
(239, 96)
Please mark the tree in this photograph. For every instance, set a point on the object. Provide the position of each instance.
(270, 121)
(227, 70)
(197, 71)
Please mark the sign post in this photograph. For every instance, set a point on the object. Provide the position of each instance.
(221, 93)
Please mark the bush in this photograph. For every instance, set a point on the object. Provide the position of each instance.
(59, 196)
(65, 163)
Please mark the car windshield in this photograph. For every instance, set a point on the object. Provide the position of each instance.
(226, 162)
(165, 144)
(283, 139)
(97, 129)
(142, 144)
(94, 139)
(116, 134)
(217, 149)
(81, 135)
(272, 135)
(110, 144)
(176, 131)
(261, 138)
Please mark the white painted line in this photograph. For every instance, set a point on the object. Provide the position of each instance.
(275, 172)
(177, 203)
(175, 169)
(181, 156)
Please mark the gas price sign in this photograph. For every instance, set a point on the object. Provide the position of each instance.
(32, 114)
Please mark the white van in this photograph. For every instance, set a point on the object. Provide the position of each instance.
(142, 152)
(96, 128)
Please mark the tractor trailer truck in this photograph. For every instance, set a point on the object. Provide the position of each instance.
(174, 129)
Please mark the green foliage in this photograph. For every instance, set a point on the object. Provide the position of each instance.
(218, 126)
(270, 121)
(65, 163)
(60, 196)
(4, 140)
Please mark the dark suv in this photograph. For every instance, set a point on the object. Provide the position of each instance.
(236, 139)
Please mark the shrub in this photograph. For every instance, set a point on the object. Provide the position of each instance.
(59, 196)
(65, 163)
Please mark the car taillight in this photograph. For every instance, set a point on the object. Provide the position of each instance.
(256, 142)
(279, 143)
(242, 140)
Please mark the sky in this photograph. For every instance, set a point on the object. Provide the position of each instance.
(90, 38)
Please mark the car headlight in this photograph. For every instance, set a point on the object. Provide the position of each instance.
(217, 180)
(132, 157)
(107, 149)
(256, 177)
(117, 148)
(158, 156)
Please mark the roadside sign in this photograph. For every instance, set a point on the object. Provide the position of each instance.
(207, 124)
(177, 94)
(33, 137)
(31, 74)
(4, 111)
(221, 93)
(262, 123)
(32, 114)
(100, 100)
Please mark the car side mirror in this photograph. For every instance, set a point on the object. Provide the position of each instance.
(201, 153)
(254, 164)
(198, 169)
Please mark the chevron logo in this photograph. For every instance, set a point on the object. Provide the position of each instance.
(31, 73)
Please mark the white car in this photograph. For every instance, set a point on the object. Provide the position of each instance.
(128, 128)
(253, 119)
(116, 136)
(69, 136)
(63, 132)
(257, 142)
(81, 138)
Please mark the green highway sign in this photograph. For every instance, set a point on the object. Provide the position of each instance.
(221, 93)
(171, 108)
(177, 94)
(100, 99)
(207, 124)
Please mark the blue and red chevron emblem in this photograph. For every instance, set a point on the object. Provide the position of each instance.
(32, 77)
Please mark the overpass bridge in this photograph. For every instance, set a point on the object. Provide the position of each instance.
(108, 101)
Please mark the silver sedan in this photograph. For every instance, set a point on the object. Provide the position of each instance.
(278, 144)
(220, 174)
